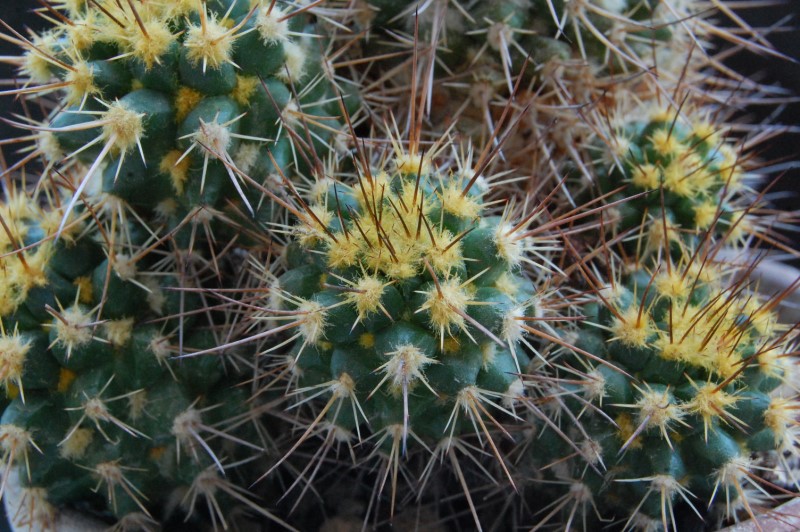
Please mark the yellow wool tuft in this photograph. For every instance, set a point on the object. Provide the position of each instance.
(366, 296)
(677, 178)
(295, 65)
(404, 367)
(443, 255)
(673, 285)
(626, 429)
(344, 252)
(118, 332)
(706, 131)
(451, 346)
(507, 284)
(446, 306)
(666, 144)
(711, 403)
(209, 45)
(367, 340)
(177, 171)
(272, 25)
(152, 47)
(65, 378)
(657, 409)
(245, 88)
(82, 33)
(123, 127)
(185, 100)
(705, 214)
(631, 328)
(312, 321)
(646, 176)
(13, 352)
(81, 83)
(463, 206)
(408, 164)
(74, 447)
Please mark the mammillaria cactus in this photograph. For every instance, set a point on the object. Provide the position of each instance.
(208, 284)
(573, 57)
(691, 392)
(408, 299)
(102, 413)
(177, 104)
(684, 179)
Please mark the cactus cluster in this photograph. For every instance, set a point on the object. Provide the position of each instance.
(548, 55)
(495, 38)
(166, 114)
(274, 256)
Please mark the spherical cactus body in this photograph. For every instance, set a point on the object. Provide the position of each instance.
(688, 390)
(102, 414)
(409, 300)
(683, 179)
(179, 105)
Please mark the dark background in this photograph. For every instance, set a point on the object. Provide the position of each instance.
(786, 74)
(769, 70)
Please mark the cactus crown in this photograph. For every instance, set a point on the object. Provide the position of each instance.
(686, 178)
(408, 295)
(691, 389)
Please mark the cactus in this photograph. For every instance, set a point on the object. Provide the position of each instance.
(177, 105)
(102, 413)
(568, 53)
(689, 391)
(408, 301)
(683, 179)
(166, 114)
(407, 294)
(410, 305)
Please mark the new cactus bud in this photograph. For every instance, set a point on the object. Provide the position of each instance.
(683, 177)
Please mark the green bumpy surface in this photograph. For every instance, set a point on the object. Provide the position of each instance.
(187, 97)
(101, 414)
(691, 389)
(409, 302)
(683, 174)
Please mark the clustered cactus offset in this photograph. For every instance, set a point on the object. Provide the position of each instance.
(179, 104)
(695, 383)
(100, 412)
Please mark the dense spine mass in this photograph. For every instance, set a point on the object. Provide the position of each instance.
(167, 113)
(690, 390)
(513, 285)
(683, 179)
(409, 300)
(101, 413)
(176, 105)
